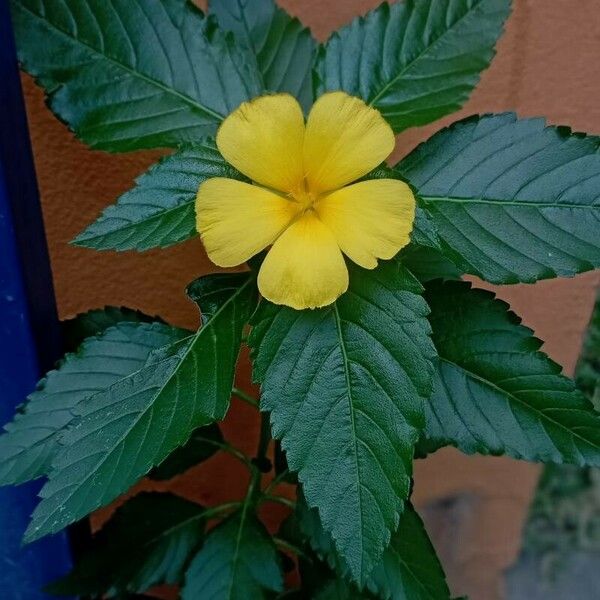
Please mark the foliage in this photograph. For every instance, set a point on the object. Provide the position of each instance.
(561, 537)
(408, 360)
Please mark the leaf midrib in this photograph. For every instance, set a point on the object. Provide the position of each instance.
(412, 573)
(184, 205)
(187, 99)
(172, 529)
(499, 202)
(510, 396)
(346, 361)
(425, 51)
(236, 551)
(158, 393)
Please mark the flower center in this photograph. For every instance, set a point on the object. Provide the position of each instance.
(304, 197)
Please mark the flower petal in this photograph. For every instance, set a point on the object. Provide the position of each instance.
(344, 140)
(237, 220)
(370, 220)
(263, 139)
(304, 268)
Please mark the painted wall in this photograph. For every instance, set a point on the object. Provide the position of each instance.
(547, 64)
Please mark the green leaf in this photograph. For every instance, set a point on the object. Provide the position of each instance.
(159, 210)
(132, 426)
(427, 263)
(408, 570)
(283, 48)
(414, 61)
(148, 541)
(587, 373)
(340, 589)
(129, 75)
(238, 561)
(95, 321)
(203, 444)
(495, 392)
(512, 200)
(32, 439)
(345, 386)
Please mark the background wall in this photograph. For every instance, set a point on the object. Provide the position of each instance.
(547, 64)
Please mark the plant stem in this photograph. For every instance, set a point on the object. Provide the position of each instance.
(245, 397)
(275, 482)
(226, 447)
(285, 545)
(279, 500)
(214, 511)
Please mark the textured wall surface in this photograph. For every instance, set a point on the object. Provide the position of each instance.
(547, 64)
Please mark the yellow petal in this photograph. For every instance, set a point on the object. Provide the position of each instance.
(237, 220)
(344, 140)
(263, 139)
(304, 268)
(370, 220)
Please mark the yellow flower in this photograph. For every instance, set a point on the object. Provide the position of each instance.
(301, 202)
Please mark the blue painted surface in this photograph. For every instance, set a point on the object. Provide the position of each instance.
(29, 329)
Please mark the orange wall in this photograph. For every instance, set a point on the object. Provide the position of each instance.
(547, 64)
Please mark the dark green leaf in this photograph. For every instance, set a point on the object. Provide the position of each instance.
(128, 75)
(587, 373)
(512, 200)
(148, 541)
(238, 561)
(32, 439)
(409, 568)
(495, 392)
(414, 61)
(283, 48)
(340, 589)
(427, 263)
(345, 386)
(159, 210)
(132, 426)
(94, 322)
(203, 443)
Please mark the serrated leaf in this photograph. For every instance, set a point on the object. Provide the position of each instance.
(408, 570)
(125, 430)
(427, 263)
(512, 200)
(129, 75)
(587, 373)
(283, 48)
(495, 392)
(238, 561)
(159, 210)
(32, 439)
(148, 541)
(97, 320)
(203, 443)
(345, 387)
(414, 61)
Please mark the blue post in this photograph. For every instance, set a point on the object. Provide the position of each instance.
(29, 328)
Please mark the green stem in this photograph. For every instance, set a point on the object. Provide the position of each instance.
(245, 397)
(226, 447)
(277, 481)
(285, 545)
(278, 500)
(215, 511)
